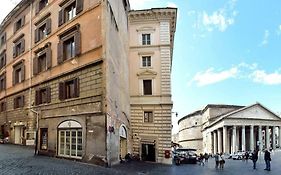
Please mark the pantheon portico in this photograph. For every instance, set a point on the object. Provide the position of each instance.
(228, 129)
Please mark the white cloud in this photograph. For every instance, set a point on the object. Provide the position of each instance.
(260, 76)
(210, 76)
(6, 7)
(265, 38)
(171, 4)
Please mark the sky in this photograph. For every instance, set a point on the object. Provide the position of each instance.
(225, 52)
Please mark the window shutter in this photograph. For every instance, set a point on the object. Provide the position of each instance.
(22, 101)
(48, 26)
(4, 59)
(5, 106)
(61, 17)
(61, 91)
(49, 57)
(15, 27)
(4, 81)
(14, 51)
(35, 65)
(22, 46)
(37, 7)
(5, 37)
(15, 103)
(60, 52)
(22, 21)
(14, 76)
(79, 6)
(77, 40)
(37, 94)
(23, 72)
(76, 87)
(36, 35)
(48, 95)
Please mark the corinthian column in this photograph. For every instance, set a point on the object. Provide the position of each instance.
(219, 141)
(224, 140)
(243, 139)
(233, 139)
(251, 137)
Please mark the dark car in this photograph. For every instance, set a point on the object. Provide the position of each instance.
(184, 155)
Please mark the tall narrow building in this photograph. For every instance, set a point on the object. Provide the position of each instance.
(150, 59)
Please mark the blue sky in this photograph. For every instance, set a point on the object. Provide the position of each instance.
(226, 52)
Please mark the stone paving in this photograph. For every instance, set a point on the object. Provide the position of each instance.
(16, 160)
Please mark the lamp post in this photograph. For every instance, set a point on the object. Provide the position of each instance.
(36, 134)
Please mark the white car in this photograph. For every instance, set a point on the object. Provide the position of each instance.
(238, 155)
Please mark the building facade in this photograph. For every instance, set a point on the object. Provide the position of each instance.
(150, 59)
(65, 77)
(229, 128)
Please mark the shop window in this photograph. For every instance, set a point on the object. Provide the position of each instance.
(42, 96)
(43, 138)
(3, 82)
(146, 39)
(146, 61)
(19, 102)
(3, 59)
(43, 59)
(69, 45)
(19, 24)
(148, 116)
(147, 87)
(18, 73)
(69, 10)
(69, 89)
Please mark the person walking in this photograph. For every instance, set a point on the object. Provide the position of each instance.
(255, 158)
(221, 161)
(217, 160)
(267, 160)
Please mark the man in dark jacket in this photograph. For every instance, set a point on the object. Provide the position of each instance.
(267, 160)
(255, 158)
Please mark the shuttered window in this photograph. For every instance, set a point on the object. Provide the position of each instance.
(69, 46)
(69, 89)
(147, 87)
(70, 10)
(3, 39)
(18, 73)
(43, 30)
(19, 24)
(19, 47)
(3, 106)
(19, 102)
(3, 59)
(43, 59)
(43, 96)
(40, 5)
(3, 82)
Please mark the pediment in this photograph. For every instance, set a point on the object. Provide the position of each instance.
(256, 111)
(147, 73)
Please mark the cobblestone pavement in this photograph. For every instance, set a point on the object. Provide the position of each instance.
(16, 160)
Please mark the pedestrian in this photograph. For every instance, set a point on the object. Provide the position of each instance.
(221, 161)
(255, 158)
(247, 156)
(206, 157)
(201, 159)
(217, 160)
(267, 160)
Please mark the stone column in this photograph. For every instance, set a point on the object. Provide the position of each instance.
(273, 137)
(267, 145)
(215, 142)
(243, 138)
(219, 141)
(260, 139)
(233, 139)
(251, 137)
(224, 139)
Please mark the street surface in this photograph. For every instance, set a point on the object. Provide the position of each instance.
(15, 160)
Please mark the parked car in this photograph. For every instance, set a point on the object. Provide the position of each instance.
(184, 155)
(239, 155)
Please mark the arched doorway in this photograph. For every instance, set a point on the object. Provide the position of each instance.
(123, 141)
(70, 139)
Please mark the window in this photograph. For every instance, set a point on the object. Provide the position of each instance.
(69, 45)
(19, 102)
(40, 5)
(146, 61)
(146, 39)
(43, 30)
(42, 96)
(2, 106)
(69, 89)
(19, 24)
(147, 87)
(19, 46)
(43, 59)
(43, 138)
(3, 82)
(3, 39)
(18, 73)
(69, 10)
(3, 59)
(148, 116)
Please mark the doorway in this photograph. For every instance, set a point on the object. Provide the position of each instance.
(148, 152)
(19, 134)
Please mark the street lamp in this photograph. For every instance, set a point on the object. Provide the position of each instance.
(37, 127)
